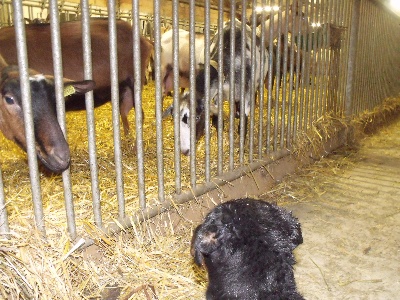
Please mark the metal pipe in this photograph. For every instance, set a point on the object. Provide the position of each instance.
(137, 95)
(192, 76)
(261, 95)
(243, 79)
(87, 61)
(220, 87)
(232, 88)
(352, 55)
(112, 29)
(28, 115)
(217, 182)
(176, 113)
(277, 77)
(252, 81)
(207, 99)
(4, 227)
(60, 105)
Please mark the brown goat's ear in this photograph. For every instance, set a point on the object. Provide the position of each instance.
(78, 87)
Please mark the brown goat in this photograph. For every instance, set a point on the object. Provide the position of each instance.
(51, 147)
(38, 39)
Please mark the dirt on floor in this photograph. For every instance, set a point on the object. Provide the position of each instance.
(351, 246)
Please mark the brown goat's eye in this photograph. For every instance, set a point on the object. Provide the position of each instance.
(9, 99)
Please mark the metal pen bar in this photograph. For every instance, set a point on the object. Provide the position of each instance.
(307, 101)
(207, 99)
(253, 79)
(270, 83)
(277, 81)
(60, 105)
(87, 59)
(261, 95)
(284, 74)
(220, 87)
(4, 227)
(112, 29)
(232, 88)
(137, 95)
(176, 113)
(243, 96)
(311, 76)
(290, 119)
(303, 80)
(299, 66)
(192, 77)
(28, 115)
(322, 58)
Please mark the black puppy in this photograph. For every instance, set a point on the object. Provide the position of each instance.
(246, 246)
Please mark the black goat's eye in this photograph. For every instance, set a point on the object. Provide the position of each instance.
(9, 100)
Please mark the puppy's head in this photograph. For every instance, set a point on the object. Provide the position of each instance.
(213, 237)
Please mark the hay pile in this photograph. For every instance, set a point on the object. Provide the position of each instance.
(151, 261)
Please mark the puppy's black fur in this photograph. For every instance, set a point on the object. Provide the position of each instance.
(246, 246)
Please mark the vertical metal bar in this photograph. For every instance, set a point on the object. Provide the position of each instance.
(312, 66)
(261, 96)
(207, 87)
(352, 54)
(253, 90)
(232, 88)
(4, 227)
(112, 28)
(220, 85)
(277, 79)
(87, 59)
(304, 73)
(176, 115)
(290, 119)
(137, 95)
(341, 65)
(299, 68)
(28, 116)
(243, 79)
(60, 104)
(192, 60)
(317, 72)
(271, 62)
(284, 73)
(307, 102)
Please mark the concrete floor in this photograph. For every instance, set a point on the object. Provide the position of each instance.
(351, 232)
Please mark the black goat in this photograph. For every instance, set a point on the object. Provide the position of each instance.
(246, 246)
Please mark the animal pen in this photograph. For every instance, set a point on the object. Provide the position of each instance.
(329, 62)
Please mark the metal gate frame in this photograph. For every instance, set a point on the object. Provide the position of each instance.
(332, 83)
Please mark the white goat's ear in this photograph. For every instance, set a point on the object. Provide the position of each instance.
(168, 112)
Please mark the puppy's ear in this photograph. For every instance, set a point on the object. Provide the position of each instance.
(296, 238)
(204, 242)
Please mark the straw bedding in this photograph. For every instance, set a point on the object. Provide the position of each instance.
(148, 261)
